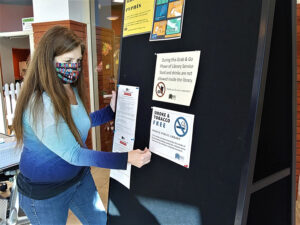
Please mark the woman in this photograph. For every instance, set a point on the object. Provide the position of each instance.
(52, 123)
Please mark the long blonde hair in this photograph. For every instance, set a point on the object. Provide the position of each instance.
(41, 77)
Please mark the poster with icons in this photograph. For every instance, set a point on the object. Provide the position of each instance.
(171, 135)
(125, 123)
(167, 20)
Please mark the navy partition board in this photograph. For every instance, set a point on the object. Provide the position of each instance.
(229, 34)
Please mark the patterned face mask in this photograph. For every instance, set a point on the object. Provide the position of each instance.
(68, 72)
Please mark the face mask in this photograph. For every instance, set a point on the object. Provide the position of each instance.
(68, 72)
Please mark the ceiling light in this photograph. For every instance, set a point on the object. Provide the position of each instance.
(112, 17)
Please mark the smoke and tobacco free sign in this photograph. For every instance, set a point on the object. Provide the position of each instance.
(171, 135)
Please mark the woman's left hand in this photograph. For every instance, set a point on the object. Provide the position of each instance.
(113, 101)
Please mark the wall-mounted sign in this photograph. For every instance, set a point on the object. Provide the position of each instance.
(122, 143)
(175, 77)
(168, 19)
(125, 122)
(171, 135)
(27, 23)
(138, 17)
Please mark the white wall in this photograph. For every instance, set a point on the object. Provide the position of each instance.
(56, 10)
(53, 10)
(6, 46)
(79, 10)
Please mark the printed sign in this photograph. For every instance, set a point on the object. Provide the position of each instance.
(175, 77)
(138, 17)
(167, 22)
(122, 143)
(27, 23)
(171, 135)
(125, 122)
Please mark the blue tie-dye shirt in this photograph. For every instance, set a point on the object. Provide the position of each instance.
(51, 153)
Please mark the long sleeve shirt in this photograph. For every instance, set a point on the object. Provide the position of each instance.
(52, 159)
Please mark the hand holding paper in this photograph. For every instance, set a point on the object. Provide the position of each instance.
(139, 158)
(113, 101)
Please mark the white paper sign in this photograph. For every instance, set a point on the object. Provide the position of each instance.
(175, 77)
(125, 123)
(122, 144)
(171, 135)
(126, 109)
(27, 23)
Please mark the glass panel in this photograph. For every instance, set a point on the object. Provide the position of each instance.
(108, 25)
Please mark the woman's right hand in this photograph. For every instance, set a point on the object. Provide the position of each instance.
(139, 158)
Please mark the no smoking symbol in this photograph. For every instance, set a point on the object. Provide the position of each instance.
(181, 126)
(160, 89)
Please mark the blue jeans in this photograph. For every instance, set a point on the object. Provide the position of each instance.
(82, 198)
